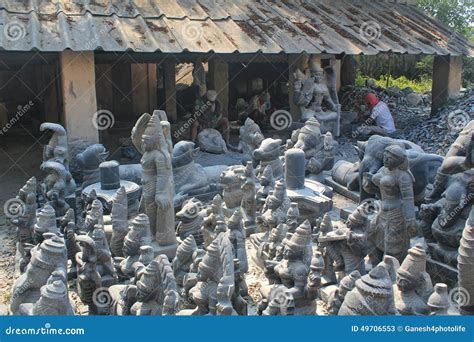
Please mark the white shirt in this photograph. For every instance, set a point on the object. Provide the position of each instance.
(382, 117)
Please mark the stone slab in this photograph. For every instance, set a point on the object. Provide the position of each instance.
(342, 190)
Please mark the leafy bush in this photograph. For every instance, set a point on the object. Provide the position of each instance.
(421, 85)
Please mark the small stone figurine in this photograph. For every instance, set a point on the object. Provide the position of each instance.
(190, 220)
(25, 222)
(105, 264)
(413, 285)
(119, 222)
(183, 260)
(139, 235)
(295, 272)
(213, 214)
(88, 277)
(250, 138)
(439, 300)
(267, 183)
(94, 216)
(47, 257)
(249, 205)
(347, 284)
(237, 238)
(157, 292)
(372, 295)
(57, 185)
(45, 223)
(269, 153)
(157, 178)
(216, 284)
(53, 301)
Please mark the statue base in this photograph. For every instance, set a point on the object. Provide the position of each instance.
(169, 250)
(312, 200)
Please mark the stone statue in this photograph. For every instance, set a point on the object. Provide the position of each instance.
(138, 236)
(459, 158)
(190, 220)
(438, 302)
(250, 138)
(213, 214)
(249, 205)
(157, 293)
(53, 301)
(88, 276)
(57, 148)
(183, 260)
(267, 184)
(157, 178)
(216, 283)
(269, 153)
(190, 178)
(47, 257)
(346, 285)
(123, 297)
(320, 149)
(71, 243)
(395, 223)
(299, 271)
(372, 295)
(465, 262)
(311, 93)
(45, 223)
(210, 140)
(119, 222)
(422, 165)
(89, 161)
(413, 285)
(237, 238)
(26, 221)
(231, 181)
(105, 264)
(57, 185)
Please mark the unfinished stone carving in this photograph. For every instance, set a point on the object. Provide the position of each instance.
(157, 179)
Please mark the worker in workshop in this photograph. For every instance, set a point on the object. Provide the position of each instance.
(380, 120)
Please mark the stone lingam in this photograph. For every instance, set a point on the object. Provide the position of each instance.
(313, 198)
(109, 183)
(148, 137)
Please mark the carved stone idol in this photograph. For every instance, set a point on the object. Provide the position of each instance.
(214, 290)
(105, 264)
(298, 271)
(250, 138)
(45, 223)
(94, 216)
(183, 260)
(53, 301)
(413, 284)
(249, 205)
(267, 184)
(312, 92)
(138, 236)
(119, 222)
(237, 238)
(157, 293)
(269, 153)
(346, 285)
(47, 257)
(231, 181)
(89, 161)
(190, 220)
(213, 214)
(157, 179)
(25, 222)
(372, 295)
(395, 223)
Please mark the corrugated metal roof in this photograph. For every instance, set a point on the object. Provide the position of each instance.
(224, 26)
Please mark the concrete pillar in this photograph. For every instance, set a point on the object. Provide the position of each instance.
(219, 80)
(143, 88)
(170, 90)
(295, 61)
(79, 94)
(447, 72)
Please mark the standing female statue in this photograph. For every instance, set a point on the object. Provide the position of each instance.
(157, 178)
(396, 218)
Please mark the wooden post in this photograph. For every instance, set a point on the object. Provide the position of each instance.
(447, 72)
(143, 88)
(219, 80)
(79, 94)
(122, 91)
(104, 86)
(170, 90)
(348, 70)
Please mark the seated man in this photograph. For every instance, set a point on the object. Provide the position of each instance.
(380, 115)
(209, 114)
